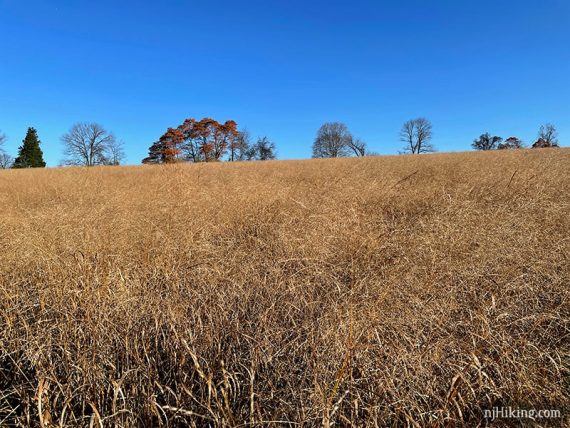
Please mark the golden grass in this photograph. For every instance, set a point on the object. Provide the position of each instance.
(382, 291)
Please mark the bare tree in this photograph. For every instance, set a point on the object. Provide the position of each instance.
(416, 135)
(241, 146)
(486, 142)
(332, 141)
(6, 161)
(358, 147)
(547, 136)
(88, 144)
(115, 154)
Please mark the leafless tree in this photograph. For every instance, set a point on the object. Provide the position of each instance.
(416, 135)
(358, 147)
(115, 153)
(332, 141)
(88, 144)
(549, 135)
(241, 147)
(6, 161)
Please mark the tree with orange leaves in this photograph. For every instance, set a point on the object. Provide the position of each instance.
(167, 148)
(206, 140)
(206, 131)
(191, 146)
(226, 137)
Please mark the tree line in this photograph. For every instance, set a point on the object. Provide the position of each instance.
(547, 137)
(86, 144)
(335, 140)
(207, 140)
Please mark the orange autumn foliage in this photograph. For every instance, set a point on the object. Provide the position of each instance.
(206, 140)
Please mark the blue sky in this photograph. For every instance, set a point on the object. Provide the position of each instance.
(282, 68)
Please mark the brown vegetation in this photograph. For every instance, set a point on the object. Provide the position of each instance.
(375, 291)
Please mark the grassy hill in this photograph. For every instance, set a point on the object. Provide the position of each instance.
(398, 290)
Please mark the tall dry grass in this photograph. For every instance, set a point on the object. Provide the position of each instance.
(384, 291)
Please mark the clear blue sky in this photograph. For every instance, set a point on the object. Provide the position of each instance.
(282, 68)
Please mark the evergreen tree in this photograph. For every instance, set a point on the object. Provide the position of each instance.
(29, 153)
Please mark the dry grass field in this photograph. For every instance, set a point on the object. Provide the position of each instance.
(382, 291)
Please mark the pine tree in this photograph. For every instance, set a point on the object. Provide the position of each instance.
(29, 153)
